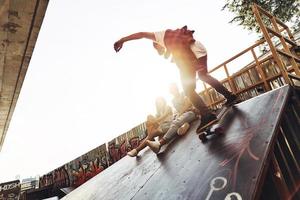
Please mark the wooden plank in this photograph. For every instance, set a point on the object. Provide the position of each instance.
(252, 66)
(263, 28)
(281, 23)
(285, 163)
(260, 71)
(188, 168)
(288, 55)
(229, 78)
(289, 152)
(263, 11)
(278, 34)
(237, 55)
(286, 48)
(293, 76)
(241, 72)
(278, 179)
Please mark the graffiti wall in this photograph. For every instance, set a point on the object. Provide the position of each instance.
(88, 165)
(83, 168)
(113, 152)
(10, 190)
(118, 147)
(78, 170)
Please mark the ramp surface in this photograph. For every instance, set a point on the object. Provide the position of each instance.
(225, 167)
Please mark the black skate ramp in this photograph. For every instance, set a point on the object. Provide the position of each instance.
(229, 166)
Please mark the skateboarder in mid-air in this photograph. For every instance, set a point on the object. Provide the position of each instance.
(191, 58)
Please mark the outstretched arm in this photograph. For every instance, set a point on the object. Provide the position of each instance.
(148, 35)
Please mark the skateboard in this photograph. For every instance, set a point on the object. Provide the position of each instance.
(217, 126)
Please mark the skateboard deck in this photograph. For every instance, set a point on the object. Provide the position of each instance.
(218, 125)
(203, 135)
(220, 115)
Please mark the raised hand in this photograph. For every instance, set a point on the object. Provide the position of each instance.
(118, 45)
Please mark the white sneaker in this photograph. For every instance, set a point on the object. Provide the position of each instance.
(183, 129)
(153, 145)
(132, 153)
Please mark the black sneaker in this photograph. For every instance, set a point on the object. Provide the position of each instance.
(232, 99)
(207, 119)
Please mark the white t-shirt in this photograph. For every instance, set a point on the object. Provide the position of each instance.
(197, 47)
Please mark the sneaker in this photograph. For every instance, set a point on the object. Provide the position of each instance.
(183, 129)
(132, 153)
(232, 99)
(153, 145)
(206, 119)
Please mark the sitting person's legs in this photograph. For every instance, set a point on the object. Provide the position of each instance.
(152, 133)
(186, 117)
(143, 144)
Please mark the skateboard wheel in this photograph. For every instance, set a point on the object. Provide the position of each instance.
(202, 137)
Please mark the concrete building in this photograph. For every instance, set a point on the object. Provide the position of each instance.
(20, 23)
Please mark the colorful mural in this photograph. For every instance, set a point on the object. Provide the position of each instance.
(10, 190)
(88, 165)
(83, 168)
(118, 147)
(78, 170)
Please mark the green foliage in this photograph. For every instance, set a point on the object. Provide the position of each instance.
(285, 10)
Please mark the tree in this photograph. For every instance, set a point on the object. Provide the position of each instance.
(285, 10)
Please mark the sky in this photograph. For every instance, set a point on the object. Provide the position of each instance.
(78, 93)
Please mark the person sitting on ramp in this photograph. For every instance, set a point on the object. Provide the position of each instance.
(156, 126)
(191, 58)
(186, 114)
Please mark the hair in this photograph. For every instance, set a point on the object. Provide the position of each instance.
(157, 102)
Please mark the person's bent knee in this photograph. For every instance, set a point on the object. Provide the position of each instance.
(191, 116)
(175, 125)
(151, 136)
